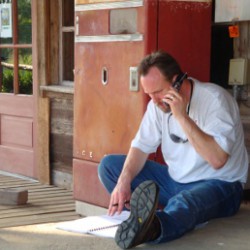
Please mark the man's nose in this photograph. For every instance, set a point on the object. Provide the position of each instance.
(152, 96)
(155, 98)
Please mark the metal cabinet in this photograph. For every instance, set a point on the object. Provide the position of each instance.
(111, 39)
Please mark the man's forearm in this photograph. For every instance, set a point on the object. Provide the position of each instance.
(134, 163)
(204, 144)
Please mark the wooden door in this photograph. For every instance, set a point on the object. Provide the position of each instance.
(16, 90)
(16, 134)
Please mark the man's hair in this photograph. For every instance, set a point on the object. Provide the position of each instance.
(167, 65)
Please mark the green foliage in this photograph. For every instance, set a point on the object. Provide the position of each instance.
(24, 21)
(7, 81)
(25, 76)
(25, 81)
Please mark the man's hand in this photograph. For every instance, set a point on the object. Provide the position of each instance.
(120, 197)
(121, 194)
(176, 101)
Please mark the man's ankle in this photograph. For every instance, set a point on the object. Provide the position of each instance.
(155, 229)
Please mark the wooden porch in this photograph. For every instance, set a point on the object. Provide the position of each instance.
(45, 204)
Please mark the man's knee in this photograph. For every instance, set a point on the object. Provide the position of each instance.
(107, 163)
(103, 166)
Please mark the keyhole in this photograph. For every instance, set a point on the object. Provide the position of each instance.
(104, 76)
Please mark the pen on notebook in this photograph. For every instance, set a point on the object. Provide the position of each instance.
(116, 204)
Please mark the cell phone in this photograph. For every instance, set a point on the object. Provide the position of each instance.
(177, 85)
(179, 80)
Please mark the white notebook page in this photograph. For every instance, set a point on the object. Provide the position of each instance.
(103, 225)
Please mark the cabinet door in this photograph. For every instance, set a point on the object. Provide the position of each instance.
(185, 32)
(109, 102)
(107, 113)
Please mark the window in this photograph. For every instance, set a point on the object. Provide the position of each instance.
(66, 46)
(15, 47)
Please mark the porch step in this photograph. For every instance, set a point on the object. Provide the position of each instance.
(45, 203)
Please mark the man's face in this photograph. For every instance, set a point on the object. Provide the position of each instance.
(156, 86)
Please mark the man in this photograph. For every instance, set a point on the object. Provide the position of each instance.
(202, 142)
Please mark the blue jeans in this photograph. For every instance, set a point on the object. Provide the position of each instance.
(184, 205)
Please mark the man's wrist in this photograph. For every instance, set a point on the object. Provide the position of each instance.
(124, 178)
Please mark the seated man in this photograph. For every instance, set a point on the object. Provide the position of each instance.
(199, 128)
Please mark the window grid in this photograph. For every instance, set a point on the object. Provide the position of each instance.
(15, 46)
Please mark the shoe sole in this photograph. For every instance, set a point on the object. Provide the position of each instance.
(143, 203)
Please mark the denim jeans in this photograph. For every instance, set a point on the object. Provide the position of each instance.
(184, 205)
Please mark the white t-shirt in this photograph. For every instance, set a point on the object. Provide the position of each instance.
(216, 113)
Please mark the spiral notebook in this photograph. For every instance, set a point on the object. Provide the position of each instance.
(103, 225)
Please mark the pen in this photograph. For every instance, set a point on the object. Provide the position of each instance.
(116, 204)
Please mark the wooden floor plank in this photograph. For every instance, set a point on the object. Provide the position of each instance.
(48, 193)
(37, 204)
(44, 189)
(45, 204)
(49, 190)
(37, 219)
(33, 211)
(19, 185)
(38, 199)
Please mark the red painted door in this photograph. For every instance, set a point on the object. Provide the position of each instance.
(16, 134)
(184, 31)
(17, 109)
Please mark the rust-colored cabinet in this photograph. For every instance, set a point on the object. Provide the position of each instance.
(111, 39)
(185, 32)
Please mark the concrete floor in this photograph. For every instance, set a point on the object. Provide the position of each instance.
(229, 233)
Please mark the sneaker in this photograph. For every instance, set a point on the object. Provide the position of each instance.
(137, 229)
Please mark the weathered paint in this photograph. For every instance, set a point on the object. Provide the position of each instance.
(107, 117)
(185, 32)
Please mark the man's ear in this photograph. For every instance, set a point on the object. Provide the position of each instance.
(174, 79)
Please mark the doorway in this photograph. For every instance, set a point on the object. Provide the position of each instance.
(16, 89)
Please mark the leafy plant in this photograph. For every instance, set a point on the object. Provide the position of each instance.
(25, 81)
(7, 81)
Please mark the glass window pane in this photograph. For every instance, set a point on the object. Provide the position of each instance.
(6, 40)
(68, 13)
(6, 23)
(25, 71)
(24, 21)
(6, 71)
(68, 56)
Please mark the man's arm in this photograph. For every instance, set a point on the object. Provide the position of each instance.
(133, 164)
(203, 143)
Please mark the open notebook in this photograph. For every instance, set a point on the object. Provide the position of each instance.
(103, 225)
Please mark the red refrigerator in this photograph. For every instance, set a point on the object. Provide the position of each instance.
(111, 37)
